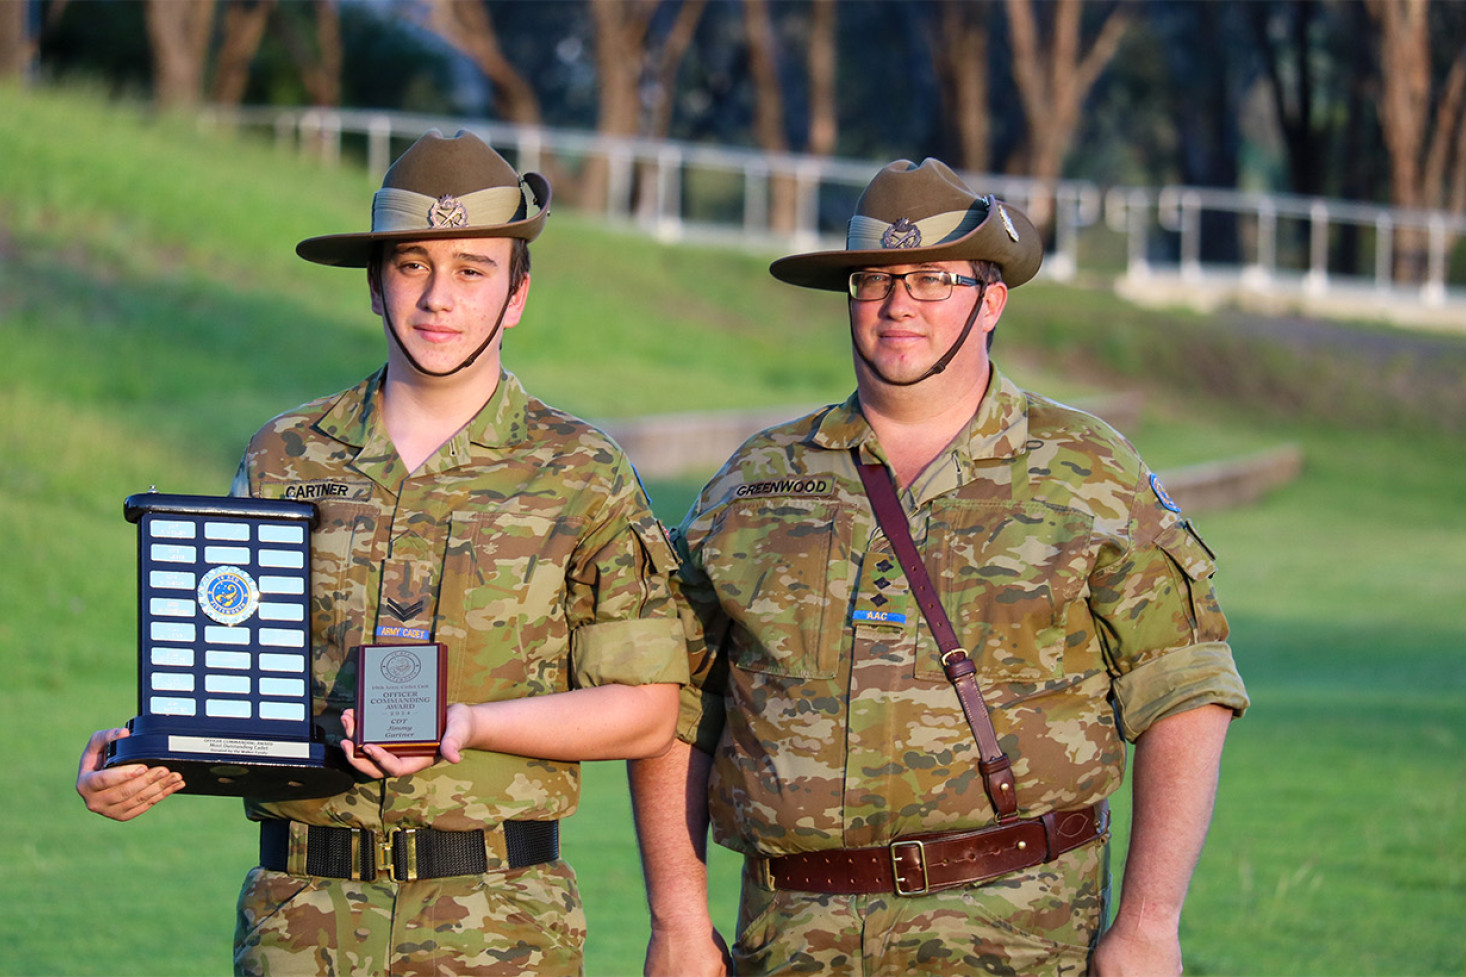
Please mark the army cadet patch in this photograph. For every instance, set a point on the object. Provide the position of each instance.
(815, 487)
(1160, 493)
(396, 631)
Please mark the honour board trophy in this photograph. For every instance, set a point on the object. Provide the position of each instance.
(224, 648)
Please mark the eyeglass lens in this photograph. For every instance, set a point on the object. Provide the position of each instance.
(924, 286)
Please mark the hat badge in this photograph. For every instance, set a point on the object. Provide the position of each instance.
(447, 211)
(1007, 223)
(902, 234)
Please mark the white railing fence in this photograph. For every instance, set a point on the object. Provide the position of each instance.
(680, 191)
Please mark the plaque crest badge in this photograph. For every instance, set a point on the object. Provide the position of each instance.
(902, 234)
(448, 211)
(401, 700)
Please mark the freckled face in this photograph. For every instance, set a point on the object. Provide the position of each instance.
(443, 298)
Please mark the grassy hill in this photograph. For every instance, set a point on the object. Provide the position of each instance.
(153, 314)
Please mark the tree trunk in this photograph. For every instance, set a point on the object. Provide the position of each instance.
(244, 28)
(327, 86)
(657, 122)
(1054, 77)
(960, 49)
(17, 47)
(467, 27)
(621, 29)
(768, 112)
(318, 60)
(659, 96)
(179, 36)
(824, 122)
(1420, 147)
(1289, 68)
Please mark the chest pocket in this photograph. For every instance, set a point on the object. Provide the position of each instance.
(501, 605)
(1007, 574)
(344, 557)
(780, 571)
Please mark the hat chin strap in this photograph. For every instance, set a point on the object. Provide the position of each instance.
(940, 364)
(402, 347)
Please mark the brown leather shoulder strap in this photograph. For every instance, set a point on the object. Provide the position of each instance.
(994, 765)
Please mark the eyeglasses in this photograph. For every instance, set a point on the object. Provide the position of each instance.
(923, 285)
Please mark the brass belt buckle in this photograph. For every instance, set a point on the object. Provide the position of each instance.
(385, 863)
(408, 839)
(920, 861)
(386, 845)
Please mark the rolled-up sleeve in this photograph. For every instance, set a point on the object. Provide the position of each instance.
(625, 626)
(1161, 627)
(704, 625)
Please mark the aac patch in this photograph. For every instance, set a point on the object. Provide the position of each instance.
(862, 616)
(1160, 493)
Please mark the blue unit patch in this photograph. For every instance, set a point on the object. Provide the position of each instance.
(878, 617)
(228, 595)
(1160, 493)
(392, 631)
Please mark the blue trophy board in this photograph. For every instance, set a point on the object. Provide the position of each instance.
(224, 648)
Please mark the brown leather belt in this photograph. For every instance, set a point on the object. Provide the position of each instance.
(930, 863)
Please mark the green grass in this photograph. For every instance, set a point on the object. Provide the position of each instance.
(152, 315)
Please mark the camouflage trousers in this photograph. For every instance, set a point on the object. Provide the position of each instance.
(507, 922)
(1044, 920)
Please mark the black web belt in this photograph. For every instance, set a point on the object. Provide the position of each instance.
(404, 854)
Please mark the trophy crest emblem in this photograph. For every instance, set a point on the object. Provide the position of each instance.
(401, 666)
(229, 595)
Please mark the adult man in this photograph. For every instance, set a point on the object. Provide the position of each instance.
(453, 508)
(842, 744)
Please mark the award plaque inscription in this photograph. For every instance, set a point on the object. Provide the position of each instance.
(400, 697)
(224, 648)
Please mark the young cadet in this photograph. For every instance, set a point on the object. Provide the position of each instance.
(456, 508)
(909, 798)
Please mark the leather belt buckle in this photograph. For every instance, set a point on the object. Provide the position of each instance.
(901, 889)
(763, 874)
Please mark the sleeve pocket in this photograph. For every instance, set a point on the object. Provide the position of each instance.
(1197, 563)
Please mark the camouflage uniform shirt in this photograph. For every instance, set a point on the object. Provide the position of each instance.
(1082, 595)
(525, 544)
